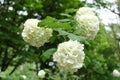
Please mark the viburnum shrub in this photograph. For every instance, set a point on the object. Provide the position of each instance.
(69, 54)
(58, 40)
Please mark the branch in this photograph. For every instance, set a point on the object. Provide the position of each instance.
(17, 65)
(4, 60)
(112, 10)
(101, 4)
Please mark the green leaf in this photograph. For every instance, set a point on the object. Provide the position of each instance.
(71, 35)
(50, 22)
(61, 32)
(3, 75)
(75, 37)
(70, 10)
(64, 20)
(67, 15)
(47, 54)
(52, 39)
(77, 31)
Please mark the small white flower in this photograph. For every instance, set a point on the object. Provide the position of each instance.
(118, 35)
(34, 35)
(25, 13)
(116, 73)
(23, 76)
(41, 73)
(89, 25)
(10, 8)
(51, 63)
(69, 56)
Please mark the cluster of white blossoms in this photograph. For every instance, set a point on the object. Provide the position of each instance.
(69, 56)
(88, 22)
(41, 73)
(34, 35)
(116, 73)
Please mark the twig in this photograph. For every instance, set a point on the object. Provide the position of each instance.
(100, 4)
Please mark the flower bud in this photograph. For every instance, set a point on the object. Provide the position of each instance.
(116, 73)
(41, 73)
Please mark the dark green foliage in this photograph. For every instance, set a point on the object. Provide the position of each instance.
(50, 22)
(47, 54)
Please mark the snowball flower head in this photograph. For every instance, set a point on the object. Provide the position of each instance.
(41, 73)
(34, 35)
(69, 56)
(84, 11)
(116, 73)
(89, 24)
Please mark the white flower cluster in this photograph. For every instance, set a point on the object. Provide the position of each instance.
(88, 22)
(41, 73)
(116, 73)
(34, 35)
(69, 56)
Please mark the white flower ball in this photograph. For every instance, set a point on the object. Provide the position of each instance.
(34, 35)
(84, 11)
(69, 56)
(116, 73)
(89, 25)
(41, 73)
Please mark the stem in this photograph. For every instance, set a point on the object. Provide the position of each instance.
(37, 63)
(4, 60)
(37, 68)
(17, 65)
(100, 4)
